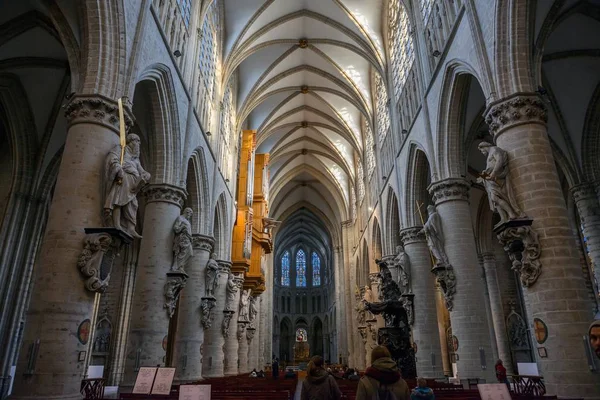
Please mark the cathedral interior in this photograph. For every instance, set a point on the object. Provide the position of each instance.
(210, 185)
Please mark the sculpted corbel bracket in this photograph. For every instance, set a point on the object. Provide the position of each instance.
(227, 316)
(241, 330)
(100, 247)
(444, 276)
(521, 244)
(206, 306)
(176, 281)
(250, 331)
(362, 330)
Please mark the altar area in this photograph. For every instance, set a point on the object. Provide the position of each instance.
(301, 347)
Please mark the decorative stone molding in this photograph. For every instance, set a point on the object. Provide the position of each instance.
(449, 189)
(408, 304)
(227, 316)
(202, 242)
(98, 110)
(362, 330)
(165, 193)
(176, 281)
(224, 267)
(518, 109)
(373, 332)
(206, 306)
(488, 257)
(303, 43)
(445, 278)
(250, 331)
(521, 244)
(241, 331)
(412, 235)
(100, 247)
(586, 200)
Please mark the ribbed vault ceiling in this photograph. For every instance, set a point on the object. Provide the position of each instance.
(304, 84)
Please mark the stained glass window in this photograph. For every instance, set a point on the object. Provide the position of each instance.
(316, 269)
(382, 111)
(285, 269)
(300, 269)
(369, 149)
(185, 7)
(401, 42)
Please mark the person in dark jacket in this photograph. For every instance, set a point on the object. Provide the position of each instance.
(381, 377)
(594, 334)
(319, 385)
(275, 368)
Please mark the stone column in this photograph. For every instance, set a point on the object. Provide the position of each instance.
(229, 327)
(212, 349)
(262, 330)
(589, 214)
(559, 297)
(187, 357)
(243, 347)
(488, 312)
(149, 319)
(489, 265)
(425, 327)
(253, 339)
(48, 365)
(467, 312)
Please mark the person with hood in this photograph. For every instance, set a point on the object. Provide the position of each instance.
(319, 385)
(382, 380)
(594, 334)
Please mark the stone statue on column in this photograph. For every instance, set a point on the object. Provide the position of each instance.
(234, 283)
(244, 306)
(402, 263)
(212, 275)
(435, 236)
(122, 182)
(253, 309)
(496, 180)
(182, 241)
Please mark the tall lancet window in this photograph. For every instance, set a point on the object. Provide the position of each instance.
(300, 268)
(400, 41)
(316, 269)
(285, 269)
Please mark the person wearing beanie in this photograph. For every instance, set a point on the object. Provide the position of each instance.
(382, 378)
(594, 334)
(319, 385)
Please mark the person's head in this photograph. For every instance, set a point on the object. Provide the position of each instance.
(315, 364)
(133, 142)
(594, 334)
(379, 352)
(484, 147)
(499, 362)
(422, 382)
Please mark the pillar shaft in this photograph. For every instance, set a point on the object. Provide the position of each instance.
(187, 357)
(443, 320)
(229, 327)
(425, 327)
(59, 301)
(559, 296)
(254, 341)
(212, 350)
(468, 316)
(491, 277)
(243, 348)
(149, 319)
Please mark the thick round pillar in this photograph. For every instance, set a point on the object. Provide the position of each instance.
(559, 297)
(149, 318)
(589, 214)
(212, 350)
(187, 357)
(242, 336)
(229, 328)
(491, 277)
(253, 344)
(468, 315)
(425, 327)
(55, 328)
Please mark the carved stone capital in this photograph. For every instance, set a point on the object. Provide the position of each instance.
(250, 331)
(586, 200)
(206, 306)
(203, 242)
(97, 109)
(165, 193)
(521, 244)
(450, 189)
(224, 266)
(176, 281)
(241, 330)
(518, 109)
(488, 258)
(412, 235)
(100, 247)
(227, 316)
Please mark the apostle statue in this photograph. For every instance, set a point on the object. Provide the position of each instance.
(369, 298)
(182, 242)
(402, 263)
(253, 308)
(244, 305)
(233, 285)
(435, 237)
(122, 182)
(212, 275)
(497, 184)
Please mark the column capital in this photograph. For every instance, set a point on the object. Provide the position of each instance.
(202, 242)
(516, 109)
(99, 110)
(224, 266)
(163, 192)
(488, 257)
(413, 234)
(449, 189)
(585, 191)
